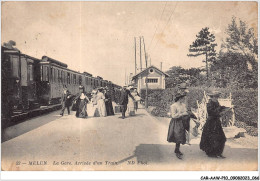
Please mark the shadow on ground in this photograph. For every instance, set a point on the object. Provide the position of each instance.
(164, 154)
(24, 127)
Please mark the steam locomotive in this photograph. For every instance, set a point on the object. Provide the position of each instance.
(28, 82)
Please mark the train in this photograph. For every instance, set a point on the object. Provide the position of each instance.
(29, 83)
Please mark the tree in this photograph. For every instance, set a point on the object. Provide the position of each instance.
(231, 70)
(237, 64)
(241, 39)
(204, 45)
(179, 75)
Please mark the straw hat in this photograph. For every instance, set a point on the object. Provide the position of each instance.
(179, 96)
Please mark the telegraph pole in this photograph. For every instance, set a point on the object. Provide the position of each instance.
(125, 76)
(140, 54)
(135, 55)
(146, 80)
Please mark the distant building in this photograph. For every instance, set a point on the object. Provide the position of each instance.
(156, 79)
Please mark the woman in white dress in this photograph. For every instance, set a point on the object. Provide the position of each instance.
(131, 104)
(101, 103)
(92, 107)
(176, 131)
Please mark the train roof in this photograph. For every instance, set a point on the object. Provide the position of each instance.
(33, 58)
(13, 50)
(86, 73)
(10, 49)
(51, 60)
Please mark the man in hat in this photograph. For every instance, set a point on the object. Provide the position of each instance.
(65, 100)
(124, 95)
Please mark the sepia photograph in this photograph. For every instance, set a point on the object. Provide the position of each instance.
(129, 86)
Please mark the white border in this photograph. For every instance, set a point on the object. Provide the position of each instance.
(125, 175)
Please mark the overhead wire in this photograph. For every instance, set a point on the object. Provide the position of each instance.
(167, 23)
(157, 26)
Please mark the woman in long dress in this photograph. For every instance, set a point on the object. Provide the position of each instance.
(176, 131)
(92, 106)
(101, 103)
(81, 101)
(131, 104)
(108, 103)
(137, 97)
(213, 137)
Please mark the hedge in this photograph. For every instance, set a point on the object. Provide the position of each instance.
(244, 100)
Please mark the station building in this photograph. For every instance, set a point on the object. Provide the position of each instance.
(155, 78)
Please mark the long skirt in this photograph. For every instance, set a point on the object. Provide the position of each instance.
(82, 109)
(213, 137)
(131, 107)
(101, 108)
(176, 131)
(109, 108)
(92, 110)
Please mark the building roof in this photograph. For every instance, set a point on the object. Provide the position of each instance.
(134, 77)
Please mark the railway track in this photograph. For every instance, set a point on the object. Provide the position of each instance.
(23, 116)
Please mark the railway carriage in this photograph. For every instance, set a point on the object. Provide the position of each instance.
(54, 75)
(28, 82)
(19, 80)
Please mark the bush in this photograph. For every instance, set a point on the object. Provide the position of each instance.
(244, 100)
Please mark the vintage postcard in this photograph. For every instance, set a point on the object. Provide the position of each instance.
(129, 86)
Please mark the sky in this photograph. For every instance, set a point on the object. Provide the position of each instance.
(98, 37)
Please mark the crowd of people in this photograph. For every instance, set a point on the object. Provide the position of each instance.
(99, 102)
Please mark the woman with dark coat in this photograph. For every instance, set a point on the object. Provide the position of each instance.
(176, 132)
(213, 137)
(108, 102)
(80, 102)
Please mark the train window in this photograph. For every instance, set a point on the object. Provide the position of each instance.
(64, 78)
(51, 74)
(59, 76)
(30, 71)
(80, 80)
(54, 75)
(46, 72)
(68, 78)
(74, 79)
(15, 67)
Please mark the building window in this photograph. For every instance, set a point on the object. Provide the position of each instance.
(152, 80)
(151, 70)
